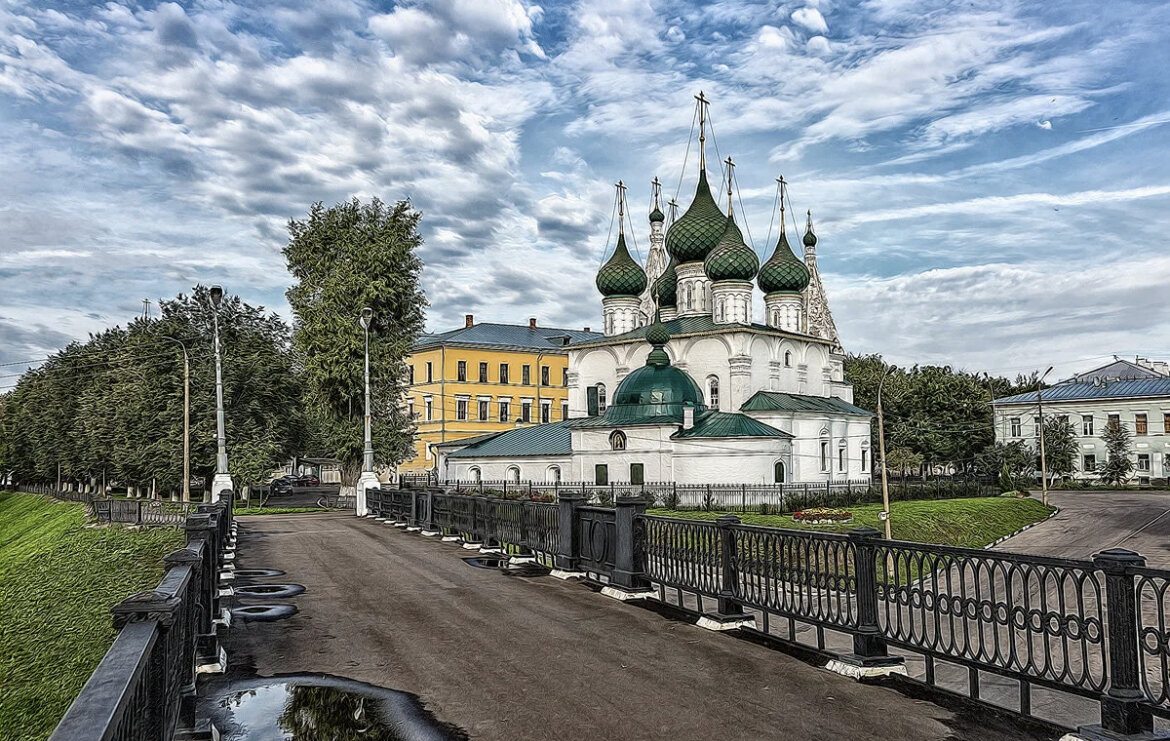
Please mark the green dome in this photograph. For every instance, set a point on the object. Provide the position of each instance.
(620, 275)
(655, 391)
(692, 237)
(782, 272)
(731, 259)
(656, 215)
(810, 239)
(666, 287)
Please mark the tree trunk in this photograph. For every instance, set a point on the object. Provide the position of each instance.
(350, 470)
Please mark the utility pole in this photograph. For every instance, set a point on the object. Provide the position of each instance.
(368, 479)
(1043, 462)
(882, 450)
(223, 480)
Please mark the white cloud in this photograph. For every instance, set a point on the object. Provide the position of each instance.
(811, 19)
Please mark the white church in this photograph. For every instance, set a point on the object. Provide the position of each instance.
(687, 386)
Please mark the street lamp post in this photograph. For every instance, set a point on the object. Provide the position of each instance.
(882, 450)
(186, 420)
(1040, 411)
(223, 480)
(368, 479)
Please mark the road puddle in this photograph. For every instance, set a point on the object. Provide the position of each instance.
(263, 613)
(504, 565)
(322, 708)
(269, 590)
(253, 573)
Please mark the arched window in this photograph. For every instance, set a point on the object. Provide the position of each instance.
(617, 440)
(690, 295)
(787, 358)
(601, 398)
(475, 474)
(513, 474)
(553, 474)
(713, 392)
(778, 472)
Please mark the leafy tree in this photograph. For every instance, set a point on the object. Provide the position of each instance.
(344, 258)
(112, 408)
(1006, 483)
(1060, 447)
(1118, 467)
(1015, 457)
(903, 460)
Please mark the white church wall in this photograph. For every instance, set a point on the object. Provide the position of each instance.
(530, 468)
(649, 445)
(728, 460)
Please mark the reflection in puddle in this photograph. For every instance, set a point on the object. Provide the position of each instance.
(265, 613)
(269, 590)
(503, 564)
(250, 573)
(318, 708)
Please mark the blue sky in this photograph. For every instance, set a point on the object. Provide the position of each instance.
(990, 180)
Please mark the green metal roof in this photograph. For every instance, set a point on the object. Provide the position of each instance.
(692, 237)
(550, 439)
(686, 325)
(464, 441)
(666, 287)
(778, 401)
(620, 275)
(508, 335)
(730, 424)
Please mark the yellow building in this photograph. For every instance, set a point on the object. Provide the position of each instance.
(486, 378)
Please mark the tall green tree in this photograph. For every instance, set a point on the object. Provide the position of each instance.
(344, 258)
(1118, 467)
(1060, 447)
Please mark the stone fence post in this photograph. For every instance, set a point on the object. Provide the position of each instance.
(1121, 705)
(568, 534)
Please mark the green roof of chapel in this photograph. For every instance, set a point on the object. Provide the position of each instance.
(692, 237)
(621, 275)
(731, 259)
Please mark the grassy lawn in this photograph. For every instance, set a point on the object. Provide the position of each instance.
(58, 580)
(972, 523)
(244, 511)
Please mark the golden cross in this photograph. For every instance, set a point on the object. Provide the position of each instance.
(730, 168)
(621, 194)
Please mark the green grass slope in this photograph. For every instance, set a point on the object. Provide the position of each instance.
(58, 580)
(971, 523)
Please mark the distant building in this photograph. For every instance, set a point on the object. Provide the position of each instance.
(485, 378)
(1136, 394)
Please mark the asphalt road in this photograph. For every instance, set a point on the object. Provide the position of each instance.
(1092, 521)
(507, 657)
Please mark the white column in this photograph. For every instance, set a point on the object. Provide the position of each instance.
(693, 297)
(740, 367)
(785, 311)
(621, 314)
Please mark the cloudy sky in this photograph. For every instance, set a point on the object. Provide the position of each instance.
(990, 180)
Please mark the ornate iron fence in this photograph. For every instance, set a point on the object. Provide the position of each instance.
(143, 689)
(1095, 628)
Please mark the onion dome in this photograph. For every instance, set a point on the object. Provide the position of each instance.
(666, 287)
(731, 259)
(783, 272)
(810, 239)
(620, 275)
(657, 216)
(657, 391)
(692, 237)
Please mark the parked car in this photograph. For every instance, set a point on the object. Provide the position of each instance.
(283, 486)
(308, 480)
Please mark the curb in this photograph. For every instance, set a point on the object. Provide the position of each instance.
(993, 544)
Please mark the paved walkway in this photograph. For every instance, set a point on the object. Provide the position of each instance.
(1091, 521)
(507, 657)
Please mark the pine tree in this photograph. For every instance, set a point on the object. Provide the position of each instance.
(1118, 467)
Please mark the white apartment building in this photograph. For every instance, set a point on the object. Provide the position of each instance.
(1135, 394)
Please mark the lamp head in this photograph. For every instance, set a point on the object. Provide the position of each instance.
(367, 317)
(216, 295)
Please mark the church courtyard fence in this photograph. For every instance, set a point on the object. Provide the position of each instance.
(149, 512)
(763, 498)
(997, 627)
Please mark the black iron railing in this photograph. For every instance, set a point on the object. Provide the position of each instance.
(1096, 629)
(144, 687)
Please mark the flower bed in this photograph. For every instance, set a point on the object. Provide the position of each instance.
(823, 516)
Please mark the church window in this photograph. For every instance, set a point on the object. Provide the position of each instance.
(601, 404)
(637, 473)
(864, 460)
(475, 474)
(617, 440)
(824, 455)
(778, 472)
(713, 392)
(842, 453)
(514, 474)
(787, 358)
(601, 474)
(553, 474)
(690, 296)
